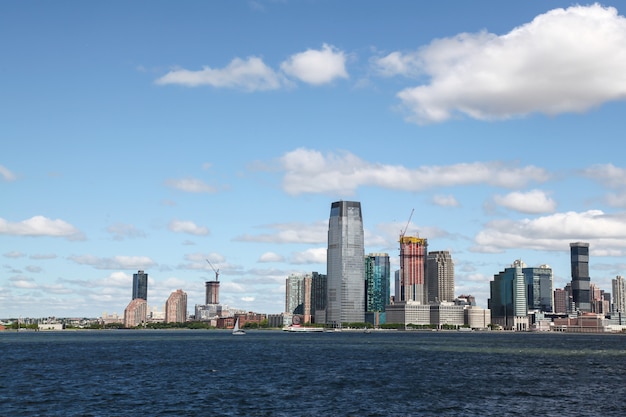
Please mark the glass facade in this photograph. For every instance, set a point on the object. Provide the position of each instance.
(377, 283)
(539, 288)
(345, 301)
(507, 300)
(579, 252)
(140, 285)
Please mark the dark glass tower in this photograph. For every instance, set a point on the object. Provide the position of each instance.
(580, 276)
(377, 286)
(345, 266)
(140, 285)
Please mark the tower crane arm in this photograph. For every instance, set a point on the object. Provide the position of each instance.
(217, 271)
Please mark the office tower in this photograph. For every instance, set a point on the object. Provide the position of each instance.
(397, 287)
(298, 296)
(176, 307)
(579, 253)
(413, 252)
(135, 313)
(377, 287)
(507, 300)
(319, 289)
(345, 267)
(561, 301)
(539, 288)
(440, 276)
(619, 294)
(212, 295)
(140, 285)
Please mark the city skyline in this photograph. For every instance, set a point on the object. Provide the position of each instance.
(161, 136)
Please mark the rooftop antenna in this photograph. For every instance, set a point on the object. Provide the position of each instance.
(217, 271)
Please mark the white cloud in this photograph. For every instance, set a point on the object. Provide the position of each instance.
(41, 226)
(249, 75)
(553, 232)
(445, 200)
(317, 66)
(6, 174)
(530, 202)
(566, 60)
(607, 174)
(116, 262)
(13, 254)
(309, 256)
(190, 227)
(308, 171)
(291, 233)
(121, 231)
(190, 185)
(271, 257)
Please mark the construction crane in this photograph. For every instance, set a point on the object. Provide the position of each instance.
(403, 232)
(217, 271)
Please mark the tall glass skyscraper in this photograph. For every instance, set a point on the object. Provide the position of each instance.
(345, 266)
(539, 288)
(140, 285)
(377, 287)
(507, 301)
(579, 252)
(440, 276)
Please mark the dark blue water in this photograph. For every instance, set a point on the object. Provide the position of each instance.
(272, 373)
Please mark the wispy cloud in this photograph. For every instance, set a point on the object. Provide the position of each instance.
(41, 226)
(121, 231)
(182, 226)
(6, 174)
(309, 171)
(566, 60)
(190, 185)
(116, 262)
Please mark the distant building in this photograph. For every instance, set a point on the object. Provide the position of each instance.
(212, 295)
(507, 300)
(319, 290)
(562, 301)
(440, 276)
(345, 267)
(539, 288)
(579, 252)
(140, 285)
(176, 307)
(619, 294)
(377, 287)
(135, 313)
(413, 252)
(410, 312)
(298, 296)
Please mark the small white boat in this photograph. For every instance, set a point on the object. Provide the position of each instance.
(236, 330)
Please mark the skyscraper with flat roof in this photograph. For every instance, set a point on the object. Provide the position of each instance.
(413, 252)
(619, 294)
(539, 288)
(440, 276)
(176, 307)
(345, 266)
(377, 287)
(507, 300)
(579, 252)
(140, 285)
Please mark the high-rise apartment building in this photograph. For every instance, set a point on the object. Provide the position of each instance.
(345, 266)
(319, 290)
(413, 252)
(507, 300)
(579, 253)
(140, 285)
(298, 296)
(136, 312)
(440, 276)
(561, 301)
(176, 307)
(539, 288)
(377, 287)
(619, 294)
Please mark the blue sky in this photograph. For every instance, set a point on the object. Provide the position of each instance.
(156, 135)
